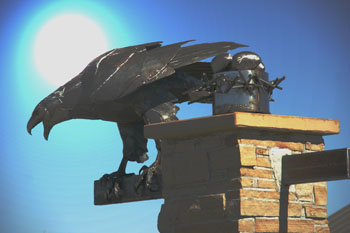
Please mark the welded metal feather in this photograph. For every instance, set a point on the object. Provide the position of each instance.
(121, 72)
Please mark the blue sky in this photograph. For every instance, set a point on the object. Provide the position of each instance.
(48, 186)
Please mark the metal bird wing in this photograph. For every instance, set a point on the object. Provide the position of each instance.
(106, 67)
(120, 72)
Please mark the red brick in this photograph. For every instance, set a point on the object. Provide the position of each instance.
(296, 146)
(304, 192)
(263, 162)
(322, 229)
(260, 194)
(262, 151)
(272, 225)
(247, 182)
(314, 147)
(267, 184)
(321, 221)
(246, 225)
(247, 155)
(292, 197)
(294, 210)
(256, 173)
(259, 208)
(315, 212)
(320, 193)
(267, 208)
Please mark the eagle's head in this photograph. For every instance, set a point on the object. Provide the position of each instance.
(50, 111)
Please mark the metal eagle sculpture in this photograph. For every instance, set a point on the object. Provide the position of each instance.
(131, 86)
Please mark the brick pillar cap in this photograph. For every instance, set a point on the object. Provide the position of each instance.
(238, 121)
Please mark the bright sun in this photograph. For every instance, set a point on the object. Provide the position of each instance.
(65, 45)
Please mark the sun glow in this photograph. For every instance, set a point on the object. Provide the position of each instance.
(65, 45)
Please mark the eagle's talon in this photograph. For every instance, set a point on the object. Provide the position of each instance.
(147, 177)
(113, 183)
(118, 192)
(114, 175)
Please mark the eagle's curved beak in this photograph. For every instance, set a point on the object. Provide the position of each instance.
(33, 121)
(37, 117)
(47, 129)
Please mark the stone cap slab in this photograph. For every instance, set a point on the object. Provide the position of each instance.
(238, 121)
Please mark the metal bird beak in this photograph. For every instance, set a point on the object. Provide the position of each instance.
(47, 129)
(33, 121)
(37, 117)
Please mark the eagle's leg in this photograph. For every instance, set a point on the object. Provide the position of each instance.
(115, 180)
(121, 170)
(134, 149)
(134, 146)
(149, 175)
(117, 175)
(163, 113)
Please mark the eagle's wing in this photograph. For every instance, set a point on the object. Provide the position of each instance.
(120, 72)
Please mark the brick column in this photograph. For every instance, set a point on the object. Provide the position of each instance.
(223, 173)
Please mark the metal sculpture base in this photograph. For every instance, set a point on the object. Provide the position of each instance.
(111, 192)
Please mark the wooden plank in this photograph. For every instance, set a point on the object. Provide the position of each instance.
(287, 123)
(317, 166)
(240, 121)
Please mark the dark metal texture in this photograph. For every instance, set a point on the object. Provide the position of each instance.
(105, 191)
(221, 62)
(240, 91)
(124, 85)
(317, 166)
(247, 61)
(238, 83)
